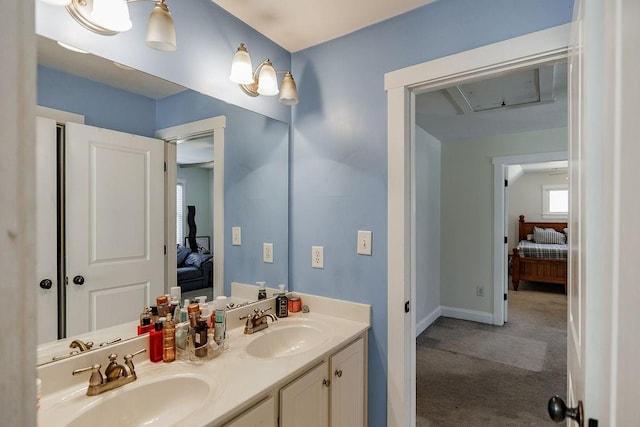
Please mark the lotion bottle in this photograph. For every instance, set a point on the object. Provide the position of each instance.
(169, 340)
(282, 303)
(220, 326)
(155, 343)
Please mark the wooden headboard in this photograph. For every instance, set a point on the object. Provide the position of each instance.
(527, 227)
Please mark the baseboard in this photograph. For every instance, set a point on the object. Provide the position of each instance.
(423, 324)
(464, 314)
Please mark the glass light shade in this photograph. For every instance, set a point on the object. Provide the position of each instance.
(241, 68)
(161, 32)
(267, 81)
(71, 48)
(111, 14)
(288, 90)
(57, 2)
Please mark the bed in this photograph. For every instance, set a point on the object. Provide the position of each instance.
(539, 262)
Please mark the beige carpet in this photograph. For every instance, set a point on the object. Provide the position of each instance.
(471, 374)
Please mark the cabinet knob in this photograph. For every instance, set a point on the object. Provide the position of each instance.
(326, 382)
(338, 373)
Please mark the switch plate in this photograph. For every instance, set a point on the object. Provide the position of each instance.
(317, 256)
(236, 236)
(267, 253)
(364, 242)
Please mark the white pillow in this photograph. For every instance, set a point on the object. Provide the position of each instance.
(548, 236)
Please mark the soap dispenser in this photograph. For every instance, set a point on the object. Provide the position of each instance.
(282, 303)
(262, 290)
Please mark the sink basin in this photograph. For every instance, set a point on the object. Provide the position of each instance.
(287, 339)
(163, 402)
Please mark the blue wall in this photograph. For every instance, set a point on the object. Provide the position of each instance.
(102, 105)
(339, 150)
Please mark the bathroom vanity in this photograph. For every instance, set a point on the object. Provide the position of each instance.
(308, 368)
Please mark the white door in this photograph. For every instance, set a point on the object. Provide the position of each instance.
(46, 249)
(305, 402)
(603, 292)
(114, 226)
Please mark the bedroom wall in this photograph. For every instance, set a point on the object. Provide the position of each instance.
(427, 167)
(198, 191)
(524, 197)
(467, 212)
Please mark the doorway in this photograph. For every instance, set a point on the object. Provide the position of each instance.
(526, 51)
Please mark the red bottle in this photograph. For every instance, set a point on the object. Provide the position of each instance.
(155, 343)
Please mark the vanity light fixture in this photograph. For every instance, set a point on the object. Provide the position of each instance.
(110, 17)
(262, 80)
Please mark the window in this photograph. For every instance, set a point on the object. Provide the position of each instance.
(555, 201)
(180, 212)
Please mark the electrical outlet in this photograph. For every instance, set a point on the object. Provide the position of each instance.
(236, 236)
(364, 242)
(267, 253)
(480, 291)
(317, 256)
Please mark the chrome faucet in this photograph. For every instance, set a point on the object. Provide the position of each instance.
(115, 375)
(258, 320)
(80, 345)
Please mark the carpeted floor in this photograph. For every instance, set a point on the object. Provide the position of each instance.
(472, 374)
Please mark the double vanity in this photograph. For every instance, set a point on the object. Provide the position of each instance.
(306, 369)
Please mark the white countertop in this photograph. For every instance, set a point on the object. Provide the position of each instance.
(237, 380)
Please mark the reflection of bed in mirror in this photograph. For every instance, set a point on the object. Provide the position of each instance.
(256, 177)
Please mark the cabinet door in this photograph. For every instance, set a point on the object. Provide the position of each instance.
(262, 415)
(347, 386)
(305, 402)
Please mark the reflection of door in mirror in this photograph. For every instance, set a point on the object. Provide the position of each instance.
(111, 228)
(194, 225)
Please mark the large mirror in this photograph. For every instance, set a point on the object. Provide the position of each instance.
(255, 165)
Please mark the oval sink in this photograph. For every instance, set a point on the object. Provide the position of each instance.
(286, 340)
(163, 402)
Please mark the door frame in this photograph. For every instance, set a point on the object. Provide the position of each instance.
(171, 135)
(401, 86)
(500, 251)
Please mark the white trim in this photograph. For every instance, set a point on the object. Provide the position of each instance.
(428, 320)
(215, 125)
(525, 51)
(464, 314)
(59, 116)
(500, 283)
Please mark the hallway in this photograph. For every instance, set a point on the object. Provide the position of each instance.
(472, 374)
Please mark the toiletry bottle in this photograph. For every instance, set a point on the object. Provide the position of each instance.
(201, 338)
(183, 311)
(220, 325)
(282, 303)
(163, 305)
(262, 291)
(175, 309)
(155, 342)
(169, 340)
(193, 311)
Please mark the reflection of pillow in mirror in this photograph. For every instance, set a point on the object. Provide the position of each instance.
(182, 254)
(549, 236)
(195, 259)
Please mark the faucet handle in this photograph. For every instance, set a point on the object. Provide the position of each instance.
(96, 376)
(129, 369)
(264, 310)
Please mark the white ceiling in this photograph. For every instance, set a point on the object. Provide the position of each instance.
(533, 100)
(299, 24)
(52, 55)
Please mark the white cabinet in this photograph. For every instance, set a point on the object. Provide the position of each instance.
(330, 394)
(262, 415)
(348, 386)
(305, 402)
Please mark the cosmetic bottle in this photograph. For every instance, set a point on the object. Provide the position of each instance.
(183, 311)
(193, 312)
(154, 314)
(282, 303)
(262, 291)
(220, 326)
(155, 343)
(169, 340)
(163, 305)
(145, 322)
(200, 339)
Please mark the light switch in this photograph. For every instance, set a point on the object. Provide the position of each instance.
(236, 236)
(364, 242)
